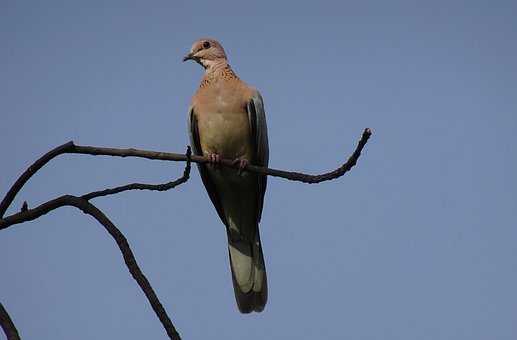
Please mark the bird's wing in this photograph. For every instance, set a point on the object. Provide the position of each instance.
(205, 177)
(258, 126)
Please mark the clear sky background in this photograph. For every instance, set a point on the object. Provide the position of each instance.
(419, 241)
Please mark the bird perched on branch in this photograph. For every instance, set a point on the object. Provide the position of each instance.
(226, 119)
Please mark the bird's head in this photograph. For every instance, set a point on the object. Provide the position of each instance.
(206, 52)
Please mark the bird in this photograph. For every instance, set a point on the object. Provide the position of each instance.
(226, 120)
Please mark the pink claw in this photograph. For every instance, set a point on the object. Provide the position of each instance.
(214, 159)
(243, 163)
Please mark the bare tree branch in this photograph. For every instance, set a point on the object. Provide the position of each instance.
(141, 186)
(83, 204)
(7, 324)
(26, 214)
(129, 258)
(70, 147)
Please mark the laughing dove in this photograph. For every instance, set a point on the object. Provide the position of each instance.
(227, 120)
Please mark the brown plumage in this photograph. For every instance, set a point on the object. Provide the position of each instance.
(227, 120)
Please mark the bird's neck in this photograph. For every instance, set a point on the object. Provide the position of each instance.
(215, 70)
(214, 66)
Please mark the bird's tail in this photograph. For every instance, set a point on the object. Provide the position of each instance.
(248, 273)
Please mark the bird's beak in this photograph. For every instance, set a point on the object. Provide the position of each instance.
(189, 56)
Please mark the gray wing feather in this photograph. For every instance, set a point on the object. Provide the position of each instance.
(257, 118)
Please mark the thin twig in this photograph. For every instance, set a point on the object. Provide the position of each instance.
(70, 147)
(7, 325)
(31, 170)
(142, 186)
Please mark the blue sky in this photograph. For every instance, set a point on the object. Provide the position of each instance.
(417, 242)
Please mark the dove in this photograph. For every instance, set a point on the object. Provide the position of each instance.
(226, 120)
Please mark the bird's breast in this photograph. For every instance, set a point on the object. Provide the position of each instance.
(222, 120)
(225, 133)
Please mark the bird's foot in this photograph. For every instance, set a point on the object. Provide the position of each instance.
(243, 163)
(214, 159)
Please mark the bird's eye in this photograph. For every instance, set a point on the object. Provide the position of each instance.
(206, 45)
